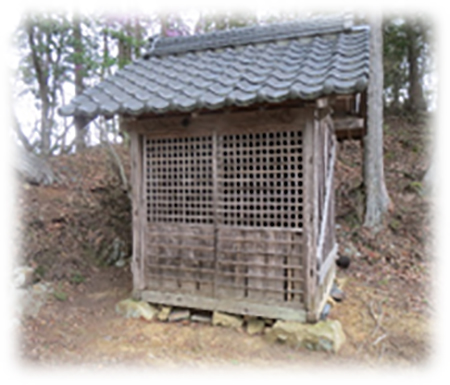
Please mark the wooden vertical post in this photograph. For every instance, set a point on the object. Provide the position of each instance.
(137, 173)
(310, 214)
(215, 205)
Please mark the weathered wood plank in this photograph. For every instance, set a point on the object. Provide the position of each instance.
(344, 104)
(329, 196)
(291, 312)
(348, 123)
(215, 202)
(215, 272)
(136, 179)
(327, 263)
(309, 210)
(232, 284)
(322, 293)
(180, 262)
(276, 264)
(247, 122)
(298, 266)
(294, 268)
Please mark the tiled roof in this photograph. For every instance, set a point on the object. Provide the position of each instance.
(235, 68)
(251, 35)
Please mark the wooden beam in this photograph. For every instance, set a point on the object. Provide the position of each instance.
(324, 289)
(322, 102)
(349, 127)
(348, 123)
(344, 104)
(290, 103)
(327, 263)
(310, 211)
(136, 158)
(344, 96)
(363, 104)
(237, 306)
(230, 123)
(329, 195)
(215, 206)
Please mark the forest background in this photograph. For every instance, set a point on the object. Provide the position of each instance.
(59, 54)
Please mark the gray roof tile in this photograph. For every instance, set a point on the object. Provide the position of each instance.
(212, 101)
(248, 87)
(256, 77)
(184, 103)
(226, 80)
(109, 108)
(157, 104)
(237, 67)
(192, 91)
(242, 98)
(220, 89)
(274, 94)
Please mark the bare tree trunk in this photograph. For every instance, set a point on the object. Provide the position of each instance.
(42, 78)
(80, 131)
(396, 96)
(138, 32)
(124, 44)
(377, 198)
(105, 69)
(416, 102)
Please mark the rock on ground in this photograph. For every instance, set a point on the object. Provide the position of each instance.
(255, 326)
(201, 318)
(32, 298)
(227, 320)
(130, 308)
(324, 335)
(179, 315)
(23, 276)
(164, 313)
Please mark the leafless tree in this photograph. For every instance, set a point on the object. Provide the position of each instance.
(377, 197)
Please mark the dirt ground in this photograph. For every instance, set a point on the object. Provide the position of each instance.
(84, 329)
(386, 313)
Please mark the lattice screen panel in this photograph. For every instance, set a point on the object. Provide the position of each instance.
(224, 216)
(179, 183)
(260, 179)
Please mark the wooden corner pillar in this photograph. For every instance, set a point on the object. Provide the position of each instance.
(310, 212)
(137, 180)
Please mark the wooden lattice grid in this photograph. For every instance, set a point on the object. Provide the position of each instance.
(249, 187)
(260, 180)
(179, 183)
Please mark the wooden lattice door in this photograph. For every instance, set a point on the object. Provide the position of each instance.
(260, 217)
(179, 242)
(224, 215)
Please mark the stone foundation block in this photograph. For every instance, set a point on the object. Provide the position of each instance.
(324, 335)
(130, 308)
(227, 320)
(255, 326)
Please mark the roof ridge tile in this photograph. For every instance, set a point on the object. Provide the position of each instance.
(249, 35)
